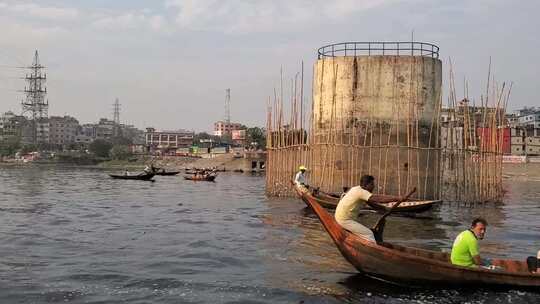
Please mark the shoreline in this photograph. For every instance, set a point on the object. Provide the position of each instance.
(222, 161)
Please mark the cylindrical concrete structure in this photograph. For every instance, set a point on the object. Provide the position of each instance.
(377, 114)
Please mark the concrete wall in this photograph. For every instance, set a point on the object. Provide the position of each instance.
(387, 103)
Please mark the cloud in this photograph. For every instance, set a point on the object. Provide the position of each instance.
(131, 21)
(123, 21)
(44, 12)
(238, 16)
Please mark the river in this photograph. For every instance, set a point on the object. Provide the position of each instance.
(71, 234)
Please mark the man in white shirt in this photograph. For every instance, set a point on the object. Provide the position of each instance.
(349, 206)
(300, 178)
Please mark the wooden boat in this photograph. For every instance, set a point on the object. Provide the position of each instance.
(406, 264)
(143, 176)
(167, 173)
(208, 178)
(417, 206)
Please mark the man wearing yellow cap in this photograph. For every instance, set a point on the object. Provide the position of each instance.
(300, 178)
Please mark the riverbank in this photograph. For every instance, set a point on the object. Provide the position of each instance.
(220, 161)
(225, 162)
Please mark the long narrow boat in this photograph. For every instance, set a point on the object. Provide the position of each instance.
(406, 264)
(208, 178)
(167, 173)
(416, 206)
(144, 177)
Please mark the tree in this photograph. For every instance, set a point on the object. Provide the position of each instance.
(121, 140)
(9, 146)
(203, 135)
(100, 148)
(256, 135)
(120, 152)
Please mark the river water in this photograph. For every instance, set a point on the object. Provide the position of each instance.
(74, 235)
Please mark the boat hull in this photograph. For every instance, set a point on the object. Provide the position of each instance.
(331, 202)
(406, 264)
(167, 173)
(210, 178)
(144, 177)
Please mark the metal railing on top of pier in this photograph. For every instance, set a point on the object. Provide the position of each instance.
(412, 48)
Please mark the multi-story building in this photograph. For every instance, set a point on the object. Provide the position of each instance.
(530, 120)
(42, 130)
(105, 129)
(63, 130)
(8, 126)
(525, 131)
(222, 127)
(477, 116)
(239, 137)
(86, 134)
(89, 130)
(168, 140)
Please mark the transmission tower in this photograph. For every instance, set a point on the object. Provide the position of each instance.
(35, 104)
(116, 117)
(116, 111)
(228, 106)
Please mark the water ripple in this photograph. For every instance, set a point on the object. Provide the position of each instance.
(73, 235)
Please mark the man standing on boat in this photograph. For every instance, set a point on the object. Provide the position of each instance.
(465, 251)
(300, 178)
(349, 206)
(534, 263)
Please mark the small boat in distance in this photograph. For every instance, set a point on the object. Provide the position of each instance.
(196, 177)
(330, 201)
(416, 266)
(165, 173)
(142, 176)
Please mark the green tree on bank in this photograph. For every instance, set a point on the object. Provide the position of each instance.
(100, 148)
(256, 135)
(120, 152)
(10, 146)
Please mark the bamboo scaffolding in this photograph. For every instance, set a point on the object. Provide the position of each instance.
(463, 155)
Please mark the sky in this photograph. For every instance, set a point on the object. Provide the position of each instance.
(170, 61)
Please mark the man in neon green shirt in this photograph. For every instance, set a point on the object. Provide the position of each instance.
(465, 250)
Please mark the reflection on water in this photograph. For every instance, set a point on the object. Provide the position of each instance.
(73, 234)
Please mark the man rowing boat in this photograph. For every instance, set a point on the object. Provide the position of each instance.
(349, 206)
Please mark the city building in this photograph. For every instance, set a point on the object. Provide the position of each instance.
(8, 126)
(222, 127)
(63, 130)
(42, 130)
(105, 129)
(239, 137)
(167, 142)
(524, 127)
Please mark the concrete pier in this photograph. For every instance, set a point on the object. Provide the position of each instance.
(377, 114)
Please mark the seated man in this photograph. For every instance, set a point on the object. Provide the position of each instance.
(465, 250)
(300, 178)
(534, 263)
(349, 206)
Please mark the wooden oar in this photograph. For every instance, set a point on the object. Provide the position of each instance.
(378, 228)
